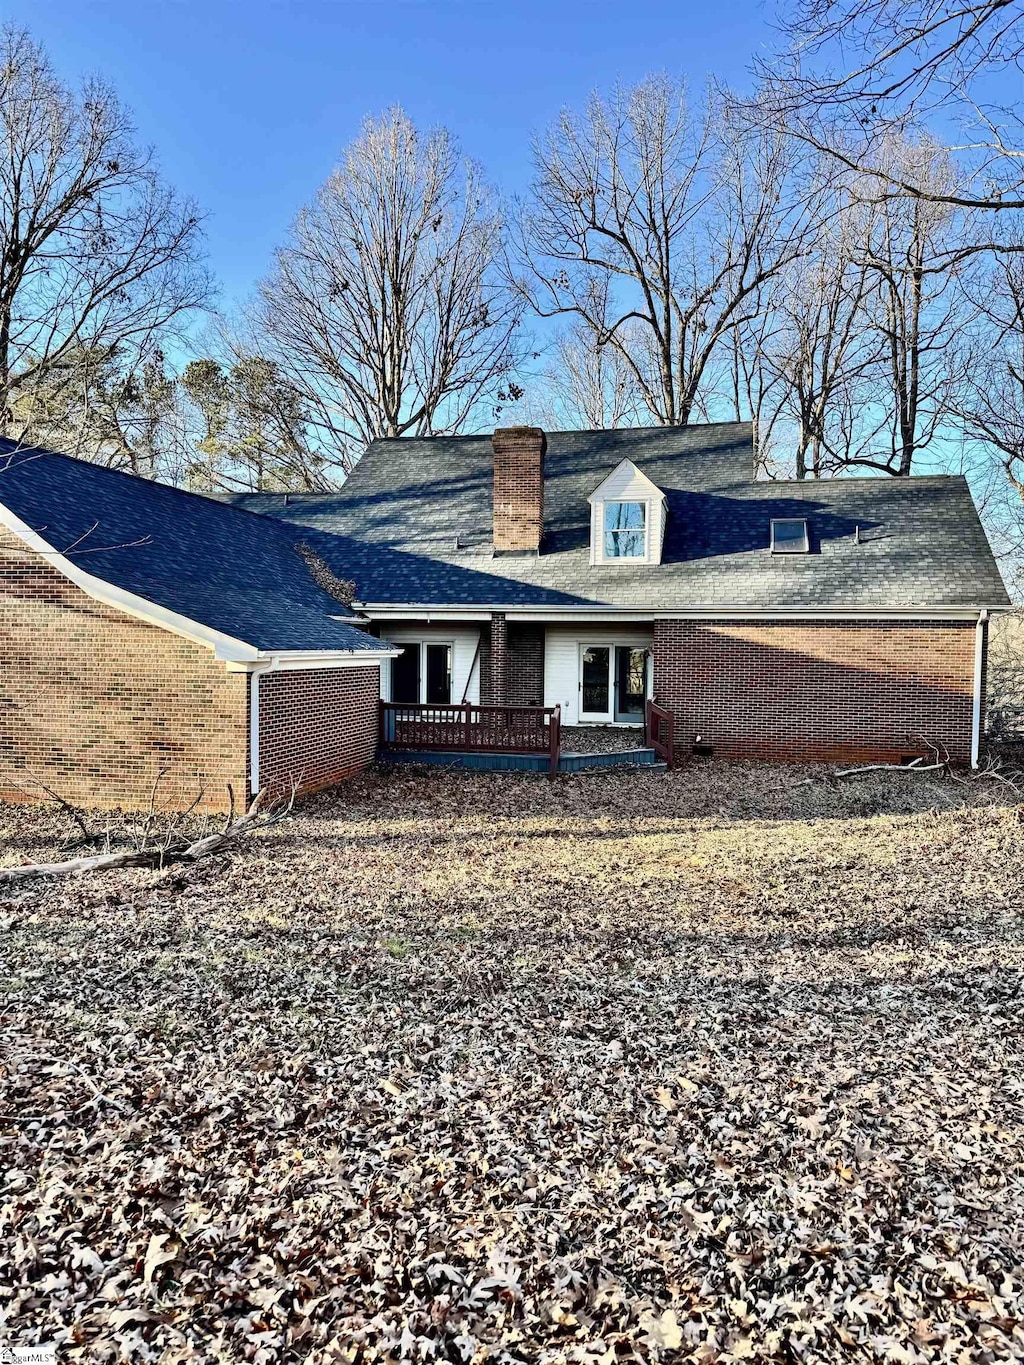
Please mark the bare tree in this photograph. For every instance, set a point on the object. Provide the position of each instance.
(680, 217)
(589, 383)
(97, 256)
(822, 349)
(914, 309)
(901, 63)
(385, 311)
(991, 407)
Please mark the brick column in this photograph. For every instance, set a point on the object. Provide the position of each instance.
(499, 660)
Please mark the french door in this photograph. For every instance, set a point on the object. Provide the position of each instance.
(613, 683)
(422, 673)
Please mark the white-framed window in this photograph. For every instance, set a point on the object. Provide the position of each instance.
(624, 527)
(789, 536)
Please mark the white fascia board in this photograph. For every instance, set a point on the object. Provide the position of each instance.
(224, 647)
(385, 612)
(325, 658)
(481, 612)
(334, 658)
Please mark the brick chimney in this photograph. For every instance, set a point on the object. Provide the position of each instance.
(518, 489)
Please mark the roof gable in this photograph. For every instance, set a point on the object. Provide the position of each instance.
(238, 576)
(626, 483)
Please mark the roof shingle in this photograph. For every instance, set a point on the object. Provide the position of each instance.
(393, 527)
(217, 565)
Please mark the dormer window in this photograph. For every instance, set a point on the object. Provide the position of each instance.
(625, 530)
(627, 518)
(789, 536)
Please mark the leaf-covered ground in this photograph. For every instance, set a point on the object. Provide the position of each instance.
(707, 1066)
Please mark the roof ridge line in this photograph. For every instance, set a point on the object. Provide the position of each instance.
(562, 431)
(9, 447)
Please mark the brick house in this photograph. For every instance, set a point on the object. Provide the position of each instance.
(248, 640)
(146, 631)
(841, 619)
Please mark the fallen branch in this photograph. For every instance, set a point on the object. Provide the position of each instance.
(914, 767)
(159, 856)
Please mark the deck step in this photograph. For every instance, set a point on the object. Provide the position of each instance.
(535, 763)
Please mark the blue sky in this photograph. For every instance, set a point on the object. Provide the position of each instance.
(249, 104)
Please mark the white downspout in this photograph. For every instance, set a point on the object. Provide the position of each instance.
(254, 724)
(979, 682)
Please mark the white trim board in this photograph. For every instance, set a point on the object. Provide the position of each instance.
(588, 615)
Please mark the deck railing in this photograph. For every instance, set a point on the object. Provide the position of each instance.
(468, 728)
(661, 725)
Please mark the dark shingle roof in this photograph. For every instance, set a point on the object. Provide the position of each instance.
(397, 517)
(219, 566)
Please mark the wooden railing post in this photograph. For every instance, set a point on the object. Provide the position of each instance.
(555, 739)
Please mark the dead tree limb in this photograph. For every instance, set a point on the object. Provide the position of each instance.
(159, 856)
(915, 767)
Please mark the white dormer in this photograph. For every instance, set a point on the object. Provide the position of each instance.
(627, 518)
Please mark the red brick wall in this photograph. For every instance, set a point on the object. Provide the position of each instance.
(317, 725)
(93, 702)
(817, 690)
(518, 487)
(526, 665)
(494, 663)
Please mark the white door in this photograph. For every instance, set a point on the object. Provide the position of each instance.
(595, 688)
(614, 683)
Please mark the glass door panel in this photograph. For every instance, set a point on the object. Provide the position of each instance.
(439, 675)
(595, 670)
(630, 683)
(405, 675)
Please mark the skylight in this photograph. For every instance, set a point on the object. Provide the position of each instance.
(789, 537)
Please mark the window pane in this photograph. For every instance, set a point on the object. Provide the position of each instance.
(439, 674)
(631, 681)
(596, 662)
(789, 536)
(625, 530)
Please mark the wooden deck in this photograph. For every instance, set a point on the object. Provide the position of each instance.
(468, 729)
(510, 739)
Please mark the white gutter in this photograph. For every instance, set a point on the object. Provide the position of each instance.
(386, 611)
(979, 683)
(285, 660)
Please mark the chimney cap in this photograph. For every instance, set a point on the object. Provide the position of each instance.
(502, 434)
